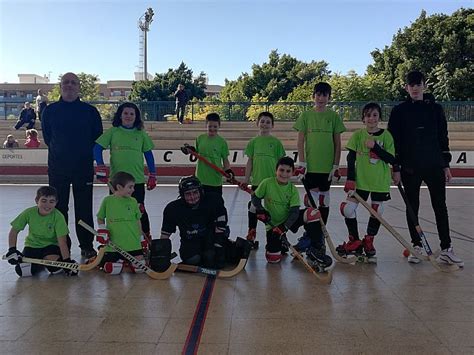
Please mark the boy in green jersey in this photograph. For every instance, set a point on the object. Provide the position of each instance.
(122, 215)
(371, 149)
(319, 146)
(215, 149)
(47, 235)
(281, 212)
(263, 153)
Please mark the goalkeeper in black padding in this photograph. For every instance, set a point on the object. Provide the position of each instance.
(204, 233)
(281, 212)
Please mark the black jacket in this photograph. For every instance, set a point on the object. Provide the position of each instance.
(420, 133)
(70, 130)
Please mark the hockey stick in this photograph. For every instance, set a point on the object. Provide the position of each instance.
(392, 230)
(421, 234)
(65, 265)
(334, 253)
(220, 171)
(132, 260)
(212, 272)
(324, 279)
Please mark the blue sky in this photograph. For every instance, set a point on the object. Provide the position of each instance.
(222, 38)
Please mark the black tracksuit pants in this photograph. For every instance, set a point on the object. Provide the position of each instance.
(434, 179)
(82, 193)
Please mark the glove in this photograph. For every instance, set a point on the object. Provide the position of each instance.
(14, 256)
(102, 173)
(144, 242)
(279, 230)
(334, 173)
(264, 216)
(151, 183)
(373, 157)
(69, 272)
(230, 175)
(186, 148)
(103, 235)
(350, 185)
(300, 170)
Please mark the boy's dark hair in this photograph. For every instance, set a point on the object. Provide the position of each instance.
(117, 121)
(286, 161)
(370, 107)
(415, 77)
(213, 117)
(266, 114)
(45, 191)
(121, 178)
(322, 88)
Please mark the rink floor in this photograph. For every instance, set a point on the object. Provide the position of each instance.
(392, 307)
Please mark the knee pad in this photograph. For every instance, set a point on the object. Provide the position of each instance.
(23, 269)
(348, 209)
(311, 215)
(252, 208)
(324, 199)
(378, 207)
(113, 268)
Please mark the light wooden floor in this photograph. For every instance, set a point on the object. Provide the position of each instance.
(389, 308)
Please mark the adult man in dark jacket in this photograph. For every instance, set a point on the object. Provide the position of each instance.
(70, 128)
(181, 101)
(420, 133)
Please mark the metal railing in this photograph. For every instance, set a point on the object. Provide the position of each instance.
(462, 111)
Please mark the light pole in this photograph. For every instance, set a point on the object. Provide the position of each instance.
(144, 25)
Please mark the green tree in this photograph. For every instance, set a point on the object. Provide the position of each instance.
(441, 46)
(163, 86)
(274, 79)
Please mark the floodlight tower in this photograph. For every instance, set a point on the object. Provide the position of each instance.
(144, 25)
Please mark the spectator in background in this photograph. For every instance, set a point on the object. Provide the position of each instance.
(181, 101)
(10, 142)
(70, 128)
(32, 140)
(41, 103)
(27, 116)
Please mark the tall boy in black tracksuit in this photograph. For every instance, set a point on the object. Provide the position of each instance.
(420, 133)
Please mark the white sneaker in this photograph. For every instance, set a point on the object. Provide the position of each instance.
(413, 258)
(447, 256)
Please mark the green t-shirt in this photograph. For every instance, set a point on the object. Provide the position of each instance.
(121, 216)
(42, 230)
(126, 150)
(372, 174)
(319, 128)
(277, 199)
(214, 149)
(264, 152)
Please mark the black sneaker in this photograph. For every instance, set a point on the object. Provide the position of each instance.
(88, 253)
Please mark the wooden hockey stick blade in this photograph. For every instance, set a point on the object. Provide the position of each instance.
(324, 279)
(66, 265)
(387, 226)
(134, 261)
(213, 272)
(348, 260)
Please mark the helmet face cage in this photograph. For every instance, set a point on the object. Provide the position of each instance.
(189, 183)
